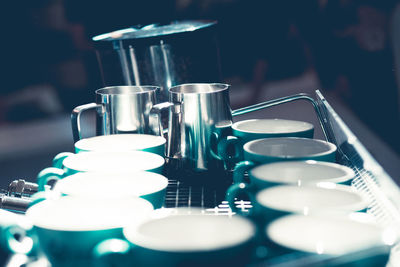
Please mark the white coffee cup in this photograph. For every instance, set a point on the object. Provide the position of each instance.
(249, 130)
(307, 200)
(148, 185)
(68, 228)
(301, 173)
(123, 142)
(326, 235)
(186, 239)
(66, 163)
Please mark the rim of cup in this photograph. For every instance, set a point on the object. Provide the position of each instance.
(123, 160)
(119, 142)
(191, 233)
(88, 214)
(326, 147)
(111, 184)
(301, 126)
(328, 198)
(324, 234)
(302, 172)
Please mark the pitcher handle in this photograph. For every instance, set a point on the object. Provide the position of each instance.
(76, 119)
(155, 117)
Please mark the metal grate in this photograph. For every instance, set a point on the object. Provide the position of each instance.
(211, 200)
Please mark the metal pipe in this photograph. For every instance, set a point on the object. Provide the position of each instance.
(282, 100)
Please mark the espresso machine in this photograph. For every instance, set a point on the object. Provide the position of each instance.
(161, 55)
(170, 55)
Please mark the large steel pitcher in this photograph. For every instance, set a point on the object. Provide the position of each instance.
(199, 115)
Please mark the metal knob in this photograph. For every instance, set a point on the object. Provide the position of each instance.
(18, 204)
(21, 188)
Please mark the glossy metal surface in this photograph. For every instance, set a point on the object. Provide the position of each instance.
(283, 100)
(120, 109)
(199, 114)
(163, 55)
(15, 204)
(22, 188)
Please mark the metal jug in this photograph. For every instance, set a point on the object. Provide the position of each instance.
(199, 116)
(120, 109)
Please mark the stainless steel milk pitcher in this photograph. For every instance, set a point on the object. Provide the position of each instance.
(199, 114)
(120, 109)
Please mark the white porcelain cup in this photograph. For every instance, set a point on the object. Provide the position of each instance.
(296, 173)
(66, 163)
(326, 235)
(249, 130)
(187, 240)
(68, 228)
(123, 142)
(147, 185)
(279, 149)
(308, 172)
(269, 150)
(325, 198)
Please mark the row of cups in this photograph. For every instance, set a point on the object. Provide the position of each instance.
(302, 202)
(90, 232)
(90, 224)
(86, 197)
(308, 206)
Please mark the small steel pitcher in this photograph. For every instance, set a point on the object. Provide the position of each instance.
(120, 109)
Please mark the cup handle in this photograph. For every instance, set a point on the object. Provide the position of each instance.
(155, 117)
(219, 149)
(222, 147)
(113, 246)
(240, 186)
(24, 243)
(76, 119)
(238, 189)
(240, 169)
(47, 175)
(59, 158)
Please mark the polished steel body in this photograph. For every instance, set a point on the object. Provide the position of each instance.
(22, 188)
(120, 109)
(199, 115)
(163, 55)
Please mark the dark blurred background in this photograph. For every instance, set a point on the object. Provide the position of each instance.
(346, 48)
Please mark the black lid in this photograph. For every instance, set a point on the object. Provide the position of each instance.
(150, 33)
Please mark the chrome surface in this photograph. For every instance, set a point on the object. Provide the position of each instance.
(15, 204)
(120, 109)
(199, 114)
(283, 100)
(154, 30)
(163, 55)
(22, 188)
